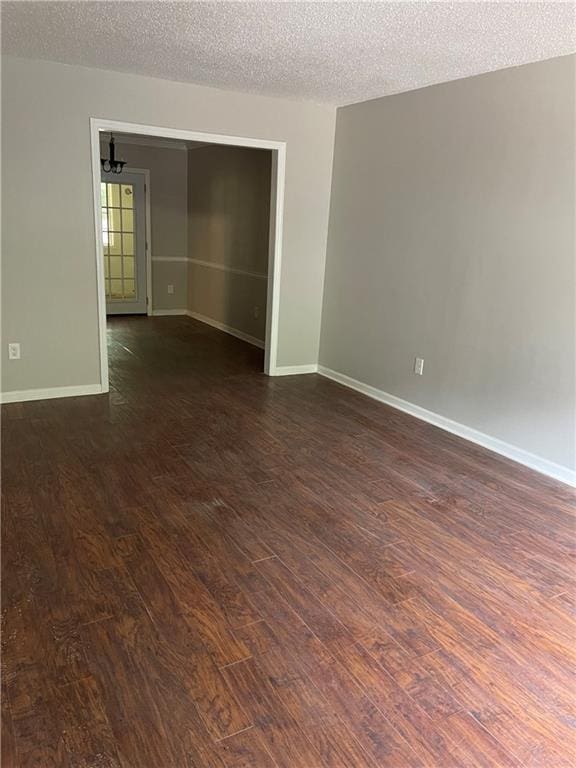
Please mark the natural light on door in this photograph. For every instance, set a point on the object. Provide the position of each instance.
(117, 201)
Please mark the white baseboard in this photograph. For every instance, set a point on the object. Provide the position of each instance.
(226, 328)
(167, 312)
(214, 323)
(294, 370)
(557, 471)
(25, 395)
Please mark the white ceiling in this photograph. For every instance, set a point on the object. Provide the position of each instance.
(334, 52)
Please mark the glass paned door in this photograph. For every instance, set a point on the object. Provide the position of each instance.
(123, 235)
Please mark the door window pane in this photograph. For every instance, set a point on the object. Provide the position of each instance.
(113, 195)
(118, 236)
(127, 220)
(115, 266)
(128, 266)
(105, 236)
(127, 196)
(114, 221)
(128, 245)
(114, 243)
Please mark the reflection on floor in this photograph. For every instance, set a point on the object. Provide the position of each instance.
(209, 567)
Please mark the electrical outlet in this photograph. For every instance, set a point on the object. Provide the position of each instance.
(13, 351)
(419, 366)
(170, 289)
(256, 312)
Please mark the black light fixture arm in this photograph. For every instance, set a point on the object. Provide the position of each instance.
(111, 165)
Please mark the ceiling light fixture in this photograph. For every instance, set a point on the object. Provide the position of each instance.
(112, 165)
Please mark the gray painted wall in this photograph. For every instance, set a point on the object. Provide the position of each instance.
(49, 301)
(452, 238)
(168, 215)
(229, 227)
(210, 204)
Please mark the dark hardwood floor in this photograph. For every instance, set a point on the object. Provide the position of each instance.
(210, 568)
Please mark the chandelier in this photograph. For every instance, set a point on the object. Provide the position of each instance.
(112, 165)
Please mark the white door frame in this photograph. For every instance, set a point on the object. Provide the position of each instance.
(146, 173)
(278, 148)
(147, 234)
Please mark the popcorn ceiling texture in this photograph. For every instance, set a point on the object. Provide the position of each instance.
(333, 52)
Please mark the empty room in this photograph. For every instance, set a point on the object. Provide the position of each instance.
(186, 238)
(288, 384)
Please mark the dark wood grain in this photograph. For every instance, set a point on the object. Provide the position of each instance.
(209, 568)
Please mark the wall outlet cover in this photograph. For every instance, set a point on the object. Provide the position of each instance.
(14, 350)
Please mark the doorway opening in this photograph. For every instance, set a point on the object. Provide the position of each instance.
(123, 242)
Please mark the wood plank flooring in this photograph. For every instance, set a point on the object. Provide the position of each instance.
(209, 568)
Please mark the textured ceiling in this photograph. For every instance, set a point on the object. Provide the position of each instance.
(334, 52)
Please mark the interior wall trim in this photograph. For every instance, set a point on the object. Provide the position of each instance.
(213, 265)
(295, 370)
(227, 268)
(275, 234)
(50, 393)
(226, 328)
(166, 312)
(539, 464)
(147, 141)
(214, 323)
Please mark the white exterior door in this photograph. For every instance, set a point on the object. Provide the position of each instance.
(122, 200)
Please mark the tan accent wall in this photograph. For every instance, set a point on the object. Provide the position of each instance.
(228, 230)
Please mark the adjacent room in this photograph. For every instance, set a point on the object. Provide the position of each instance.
(288, 365)
(185, 233)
